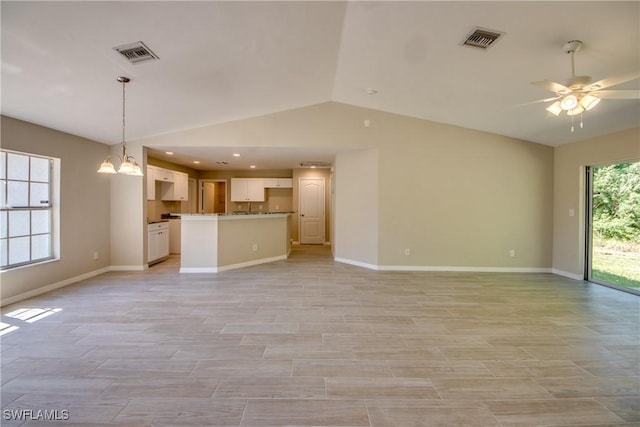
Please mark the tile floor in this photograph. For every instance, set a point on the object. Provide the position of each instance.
(311, 342)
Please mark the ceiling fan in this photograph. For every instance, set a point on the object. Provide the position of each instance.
(579, 94)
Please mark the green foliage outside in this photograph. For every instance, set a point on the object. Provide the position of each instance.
(616, 224)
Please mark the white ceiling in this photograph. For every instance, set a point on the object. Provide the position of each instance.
(221, 61)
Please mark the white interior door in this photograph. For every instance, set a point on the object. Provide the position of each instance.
(311, 211)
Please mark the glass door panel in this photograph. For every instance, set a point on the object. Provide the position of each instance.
(613, 226)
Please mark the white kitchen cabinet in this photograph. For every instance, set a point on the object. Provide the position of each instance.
(177, 189)
(278, 182)
(157, 241)
(164, 175)
(247, 190)
(150, 176)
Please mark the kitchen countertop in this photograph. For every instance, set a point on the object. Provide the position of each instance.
(155, 222)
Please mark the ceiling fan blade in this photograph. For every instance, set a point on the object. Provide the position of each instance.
(551, 86)
(613, 81)
(553, 98)
(618, 94)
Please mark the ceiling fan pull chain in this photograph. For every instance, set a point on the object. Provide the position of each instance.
(571, 124)
(581, 121)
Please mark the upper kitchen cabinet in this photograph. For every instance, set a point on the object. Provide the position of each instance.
(174, 185)
(150, 176)
(278, 183)
(178, 190)
(247, 190)
(164, 175)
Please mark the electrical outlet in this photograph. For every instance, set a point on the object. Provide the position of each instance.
(260, 207)
(96, 255)
(277, 208)
(255, 247)
(512, 252)
(407, 251)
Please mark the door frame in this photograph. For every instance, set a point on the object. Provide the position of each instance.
(324, 208)
(201, 183)
(588, 231)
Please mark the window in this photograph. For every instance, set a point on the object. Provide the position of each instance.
(26, 209)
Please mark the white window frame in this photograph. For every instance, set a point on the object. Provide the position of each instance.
(52, 206)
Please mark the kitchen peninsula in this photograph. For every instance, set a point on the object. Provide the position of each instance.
(211, 243)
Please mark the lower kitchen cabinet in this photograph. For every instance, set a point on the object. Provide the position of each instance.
(158, 242)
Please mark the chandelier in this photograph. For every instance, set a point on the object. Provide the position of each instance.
(128, 164)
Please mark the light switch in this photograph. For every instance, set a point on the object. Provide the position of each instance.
(572, 212)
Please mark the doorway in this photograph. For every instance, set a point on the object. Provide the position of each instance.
(213, 196)
(312, 211)
(613, 226)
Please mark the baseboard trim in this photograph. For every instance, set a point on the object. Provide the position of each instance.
(129, 267)
(443, 268)
(567, 274)
(231, 266)
(52, 287)
(356, 263)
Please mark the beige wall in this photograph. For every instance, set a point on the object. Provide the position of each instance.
(570, 161)
(457, 198)
(84, 207)
(357, 220)
(128, 216)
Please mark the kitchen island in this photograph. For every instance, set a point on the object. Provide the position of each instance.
(211, 243)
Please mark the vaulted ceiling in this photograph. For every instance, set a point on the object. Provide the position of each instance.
(221, 61)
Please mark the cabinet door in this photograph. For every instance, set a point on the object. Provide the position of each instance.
(150, 176)
(181, 186)
(255, 190)
(164, 175)
(152, 246)
(163, 243)
(238, 189)
(285, 182)
(270, 182)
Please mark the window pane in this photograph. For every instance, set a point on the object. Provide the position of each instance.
(3, 252)
(3, 194)
(17, 194)
(40, 222)
(3, 224)
(40, 247)
(19, 250)
(17, 166)
(18, 224)
(39, 169)
(3, 165)
(39, 194)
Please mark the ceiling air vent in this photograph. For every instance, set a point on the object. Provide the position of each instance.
(482, 38)
(136, 52)
(315, 164)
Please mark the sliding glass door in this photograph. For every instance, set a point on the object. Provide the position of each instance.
(613, 226)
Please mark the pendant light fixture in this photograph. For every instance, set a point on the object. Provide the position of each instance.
(128, 164)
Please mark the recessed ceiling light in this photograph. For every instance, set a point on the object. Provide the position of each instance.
(197, 162)
(236, 154)
(252, 166)
(171, 153)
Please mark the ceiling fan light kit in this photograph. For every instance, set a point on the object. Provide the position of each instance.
(579, 94)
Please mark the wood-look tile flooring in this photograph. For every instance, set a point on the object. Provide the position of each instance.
(311, 342)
